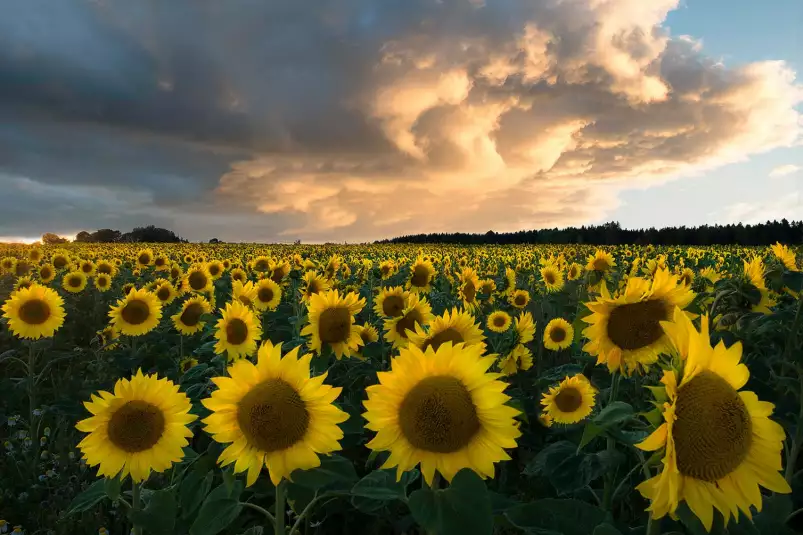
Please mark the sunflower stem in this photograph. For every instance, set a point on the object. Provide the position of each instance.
(607, 490)
(33, 428)
(280, 506)
(798, 440)
(653, 526)
(136, 505)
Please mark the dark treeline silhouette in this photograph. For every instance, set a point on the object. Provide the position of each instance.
(613, 234)
(149, 234)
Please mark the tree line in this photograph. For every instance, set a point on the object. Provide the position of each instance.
(149, 234)
(613, 234)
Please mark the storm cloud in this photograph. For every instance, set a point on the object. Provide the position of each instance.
(356, 119)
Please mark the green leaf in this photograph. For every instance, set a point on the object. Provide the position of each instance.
(159, 516)
(85, 501)
(464, 507)
(590, 432)
(380, 485)
(567, 517)
(614, 413)
(112, 487)
(219, 510)
(793, 280)
(335, 472)
(606, 529)
(193, 490)
(774, 512)
(568, 470)
(195, 373)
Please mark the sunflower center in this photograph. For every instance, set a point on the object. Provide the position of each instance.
(447, 335)
(197, 280)
(45, 273)
(214, 270)
(135, 312)
(569, 400)
(163, 293)
(469, 291)
(601, 264)
(438, 415)
(174, 273)
(192, 315)
(393, 306)
(59, 262)
(366, 337)
(520, 300)
(86, 268)
(34, 312)
(102, 281)
(265, 295)
(277, 276)
(74, 282)
(159, 262)
(637, 325)
(499, 321)
(236, 331)
(557, 334)
(272, 416)
(420, 276)
(144, 259)
(549, 278)
(713, 431)
(335, 325)
(408, 322)
(136, 426)
(244, 300)
(261, 265)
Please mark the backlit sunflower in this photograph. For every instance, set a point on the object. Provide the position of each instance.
(421, 274)
(188, 320)
(441, 410)
(525, 327)
(137, 313)
(601, 261)
(35, 312)
(22, 268)
(197, 279)
(558, 334)
(237, 331)
(455, 326)
(417, 311)
(469, 283)
(103, 282)
(786, 256)
(47, 273)
(141, 427)
(571, 401)
(391, 302)
(244, 293)
(499, 321)
(719, 443)
(520, 298)
(686, 277)
(331, 322)
(313, 284)
(552, 277)
(35, 255)
(165, 292)
(144, 258)
(754, 272)
(268, 295)
(273, 414)
(625, 332)
(520, 358)
(74, 282)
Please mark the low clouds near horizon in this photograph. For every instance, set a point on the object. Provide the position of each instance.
(359, 119)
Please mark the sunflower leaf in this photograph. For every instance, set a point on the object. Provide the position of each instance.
(93, 495)
(567, 517)
(159, 516)
(464, 507)
(219, 509)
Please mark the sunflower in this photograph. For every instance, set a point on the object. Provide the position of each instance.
(417, 311)
(189, 258)
(103, 282)
(558, 334)
(455, 327)
(238, 274)
(525, 328)
(313, 284)
(60, 260)
(144, 258)
(625, 331)
(165, 292)
(552, 277)
(237, 331)
(754, 272)
(35, 255)
(443, 410)
(421, 274)
(216, 269)
(22, 282)
(22, 267)
(34, 312)
(186, 364)
(499, 321)
(141, 427)
(601, 261)
(387, 269)
(87, 267)
(74, 282)
(127, 287)
(520, 358)
(188, 320)
(260, 264)
(268, 295)
(369, 334)
(244, 293)
(176, 272)
(331, 322)
(47, 273)
(686, 277)
(137, 313)
(785, 255)
(391, 302)
(467, 291)
(488, 287)
(520, 298)
(273, 414)
(719, 444)
(571, 401)
(711, 275)
(7, 264)
(161, 263)
(279, 271)
(107, 337)
(104, 266)
(197, 279)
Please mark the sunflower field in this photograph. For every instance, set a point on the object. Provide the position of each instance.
(395, 389)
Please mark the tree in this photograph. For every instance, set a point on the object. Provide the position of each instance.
(83, 237)
(106, 235)
(48, 238)
(214, 240)
(151, 234)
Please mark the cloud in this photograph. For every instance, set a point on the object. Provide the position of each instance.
(783, 170)
(789, 206)
(359, 120)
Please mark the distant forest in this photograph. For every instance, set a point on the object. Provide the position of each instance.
(613, 234)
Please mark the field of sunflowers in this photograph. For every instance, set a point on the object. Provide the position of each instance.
(396, 389)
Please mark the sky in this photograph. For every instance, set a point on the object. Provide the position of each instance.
(353, 120)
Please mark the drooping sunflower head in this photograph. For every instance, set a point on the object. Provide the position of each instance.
(571, 401)
(391, 302)
(455, 327)
(144, 258)
(686, 277)
(332, 322)
(279, 271)
(441, 410)
(499, 321)
(519, 359)
(558, 334)
(47, 273)
(313, 284)
(244, 293)
(103, 282)
(197, 279)
(525, 327)
(237, 331)
(188, 320)
(786, 256)
(469, 284)
(520, 298)
(273, 414)
(74, 282)
(719, 442)
(186, 364)
(137, 313)
(34, 312)
(552, 277)
(421, 274)
(417, 311)
(22, 268)
(268, 295)
(141, 427)
(107, 337)
(369, 334)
